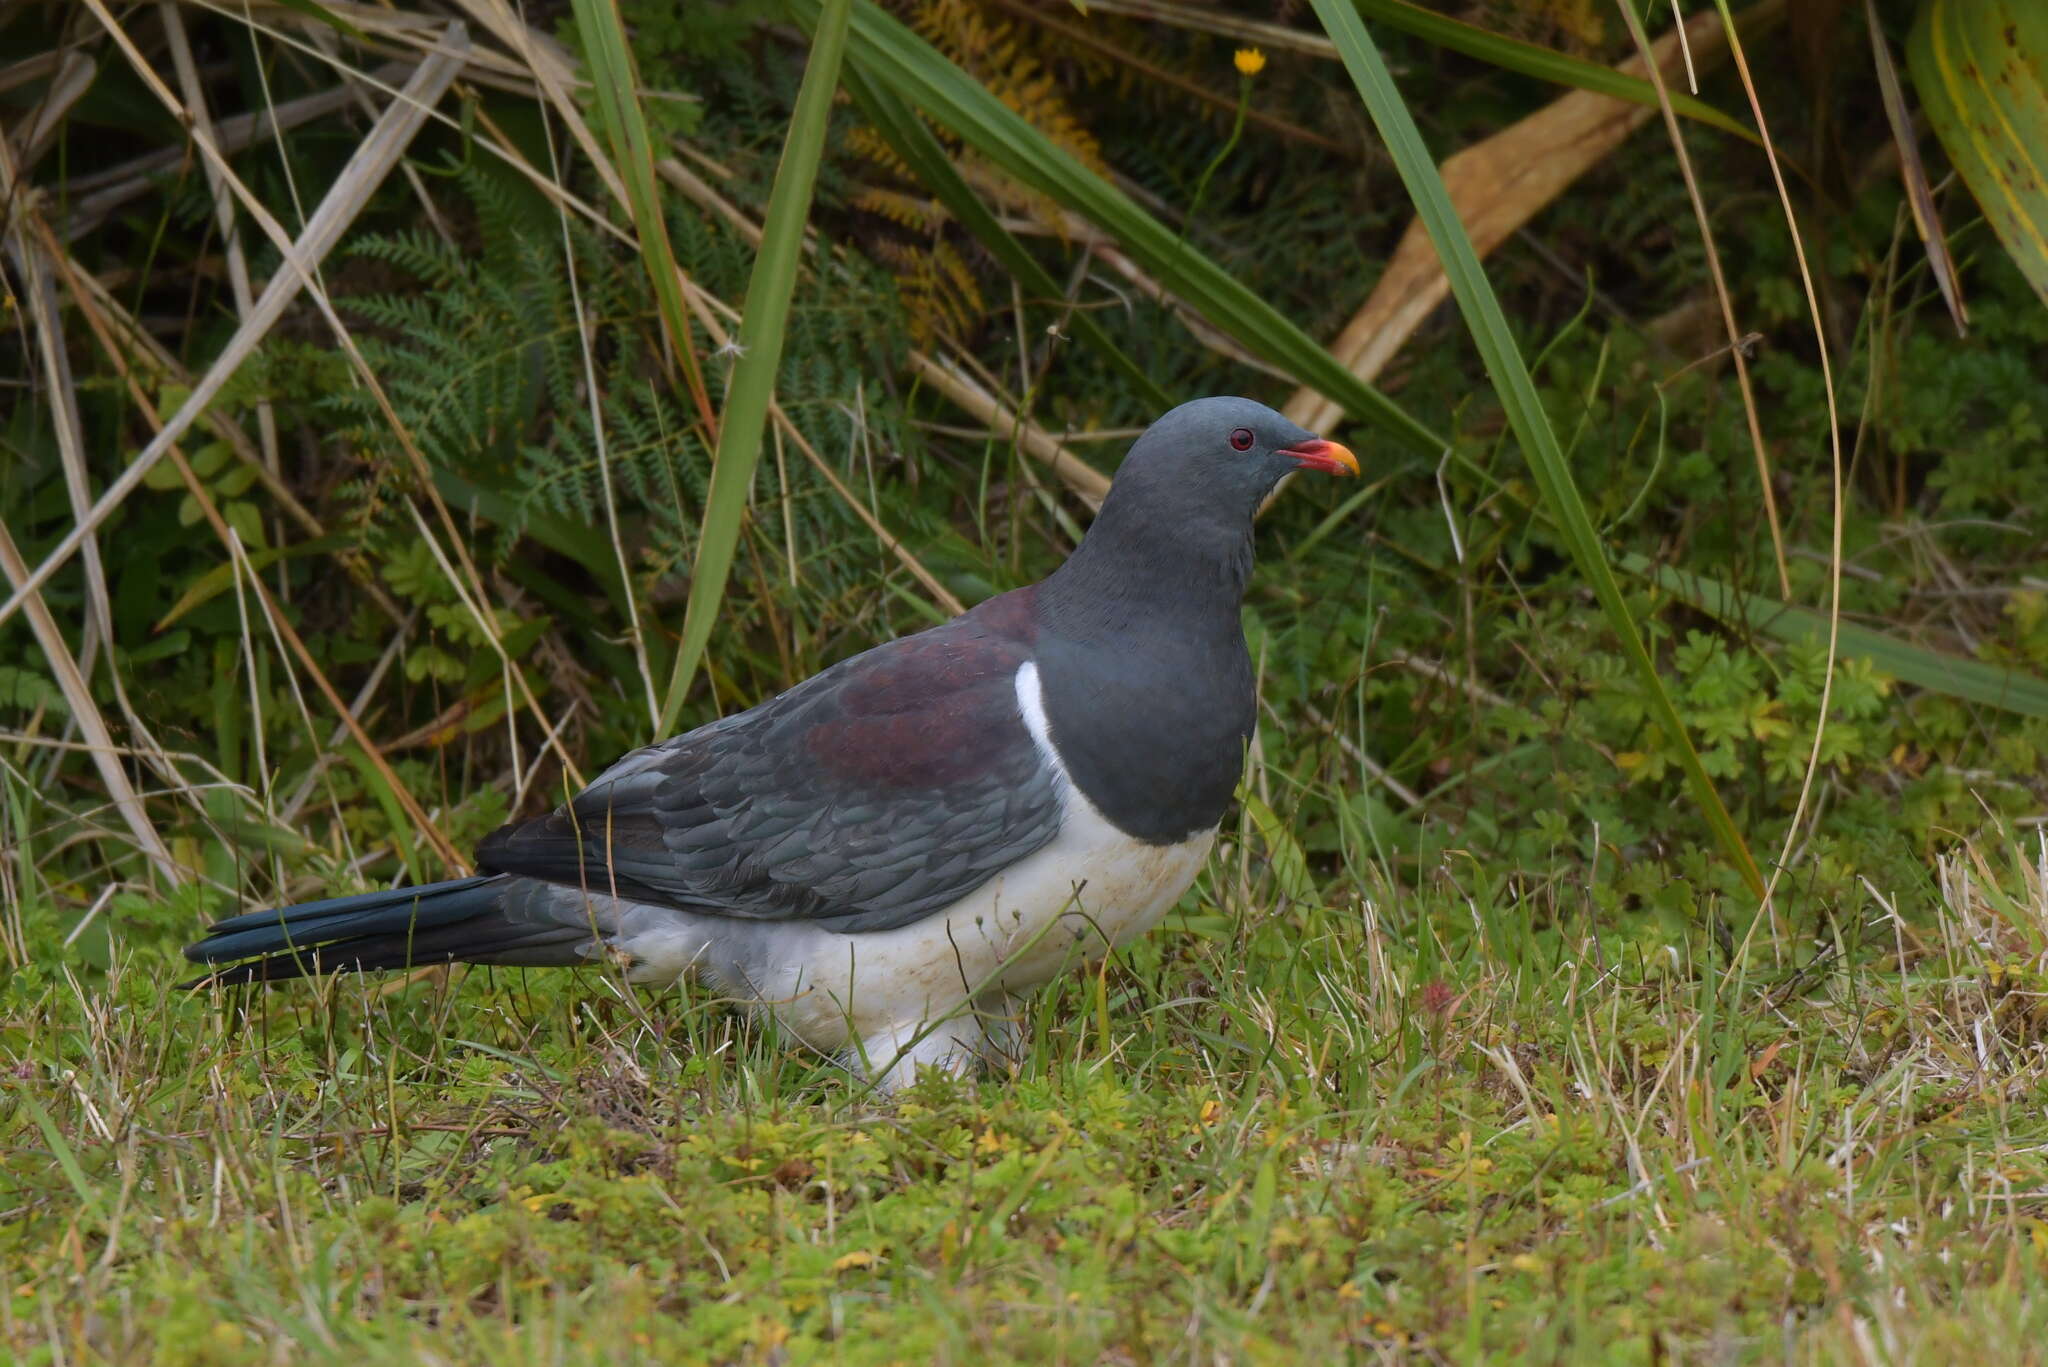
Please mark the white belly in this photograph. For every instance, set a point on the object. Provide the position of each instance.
(1092, 889)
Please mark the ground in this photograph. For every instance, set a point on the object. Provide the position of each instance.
(1438, 1122)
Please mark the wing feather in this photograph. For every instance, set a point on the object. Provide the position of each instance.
(873, 794)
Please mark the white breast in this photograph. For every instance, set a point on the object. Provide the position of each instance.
(1102, 887)
(1092, 888)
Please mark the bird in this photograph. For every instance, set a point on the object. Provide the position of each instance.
(888, 855)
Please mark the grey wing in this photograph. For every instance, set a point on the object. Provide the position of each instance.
(876, 793)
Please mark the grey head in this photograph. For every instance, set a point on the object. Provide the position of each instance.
(1174, 535)
(1205, 467)
(1146, 680)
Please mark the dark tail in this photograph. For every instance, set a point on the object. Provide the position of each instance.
(463, 920)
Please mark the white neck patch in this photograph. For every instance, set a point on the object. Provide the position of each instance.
(1031, 702)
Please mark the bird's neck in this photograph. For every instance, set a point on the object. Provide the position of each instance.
(1146, 681)
(1132, 575)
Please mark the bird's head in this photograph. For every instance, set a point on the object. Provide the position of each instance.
(1174, 536)
(1222, 456)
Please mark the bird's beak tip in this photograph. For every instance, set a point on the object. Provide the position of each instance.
(1332, 458)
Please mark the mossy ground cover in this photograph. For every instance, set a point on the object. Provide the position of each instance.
(1456, 1121)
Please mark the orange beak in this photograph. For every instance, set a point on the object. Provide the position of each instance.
(1327, 456)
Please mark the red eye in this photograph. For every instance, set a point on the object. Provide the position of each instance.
(1242, 439)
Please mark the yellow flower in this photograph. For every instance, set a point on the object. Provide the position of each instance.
(1250, 61)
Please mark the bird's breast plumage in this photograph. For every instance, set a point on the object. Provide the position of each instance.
(1153, 728)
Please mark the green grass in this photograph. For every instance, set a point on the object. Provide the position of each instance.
(1456, 1121)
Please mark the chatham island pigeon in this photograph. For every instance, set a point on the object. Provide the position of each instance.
(882, 856)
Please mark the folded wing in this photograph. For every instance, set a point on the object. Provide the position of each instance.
(874, 794)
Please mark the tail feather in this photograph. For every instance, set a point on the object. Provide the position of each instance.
(461, 920)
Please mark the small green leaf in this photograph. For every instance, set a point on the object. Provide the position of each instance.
(235, 482)
(208, 460)
(247, 520)
(163, 477)
(2008, 690)
(164, 647)
(24, 691)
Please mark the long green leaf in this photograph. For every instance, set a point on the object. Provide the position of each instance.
(1957, 676)
(1545, 64)
(616, 82)
(1496, 49)
(1489, 328)
(1981, 70)
(67, 1161)
(927, 160)
(760, 346)
(898, 60)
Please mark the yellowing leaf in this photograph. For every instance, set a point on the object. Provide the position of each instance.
(1981, 70)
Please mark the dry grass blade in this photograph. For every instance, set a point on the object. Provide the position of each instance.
(1203, 19)
(556, 73)
(41, 297)
(700, 193)
(750, 391)
(373, 160)
(617, 85)
(1737, 350)
(75, 76)
(1086, 482)
(414, 35)
(1913, 172)
(194, 91)
(73, 674)
(1374, 769)
(1498, 185)
(85, 712)
(1820, 345)
(94, 197)
(324, 755)
(940, 595)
